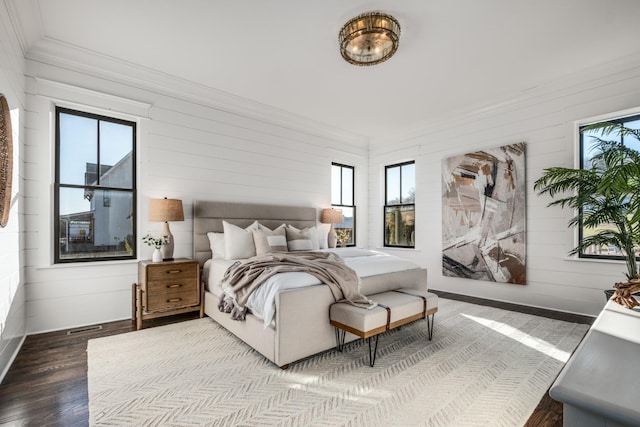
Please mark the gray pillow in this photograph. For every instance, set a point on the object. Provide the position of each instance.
(268, 241)
(299, 240)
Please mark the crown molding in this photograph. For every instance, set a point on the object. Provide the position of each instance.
(60, 92)
(26, 22)
(553, 88)
(70, 57)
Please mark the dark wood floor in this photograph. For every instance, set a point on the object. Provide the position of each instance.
(47, 383)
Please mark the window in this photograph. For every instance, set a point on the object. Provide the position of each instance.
(342, 196)
(588, 140)
(94, 204)
(399, 207)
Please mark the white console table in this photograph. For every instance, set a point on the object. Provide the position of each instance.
(600, 384)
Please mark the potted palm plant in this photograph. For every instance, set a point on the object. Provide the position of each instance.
(606, 197)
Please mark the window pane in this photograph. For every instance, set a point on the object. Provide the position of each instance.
(345, 230)
(393, 185)
(347, 186)
(116, 148)
(335, 185)
(95, 224)
(589, 141)
(399, 226)
(408, 183)
(78, 149)
(631, 141)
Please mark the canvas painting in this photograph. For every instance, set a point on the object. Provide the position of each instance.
(484, 215)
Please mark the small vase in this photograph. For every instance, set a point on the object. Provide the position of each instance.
(157, 256)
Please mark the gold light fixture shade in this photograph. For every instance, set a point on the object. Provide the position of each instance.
(370, 38)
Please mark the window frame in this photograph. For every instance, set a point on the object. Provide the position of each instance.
(615, 118)
(58, 185)
(343, 166)
(401, 205)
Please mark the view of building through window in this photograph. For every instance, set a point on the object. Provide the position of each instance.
(399, 208)
(342, 197)
(95, 187)
(588, 140)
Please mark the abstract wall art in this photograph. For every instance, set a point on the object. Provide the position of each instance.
(484, 215)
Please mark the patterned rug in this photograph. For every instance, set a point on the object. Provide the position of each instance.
(484, 367)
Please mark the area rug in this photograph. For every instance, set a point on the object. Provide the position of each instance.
(484, 367)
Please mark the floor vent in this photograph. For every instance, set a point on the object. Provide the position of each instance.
(84, 329)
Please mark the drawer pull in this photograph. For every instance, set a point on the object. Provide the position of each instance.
(174, 299)
(174, 271)
(177, 285)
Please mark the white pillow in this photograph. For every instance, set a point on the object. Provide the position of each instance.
(323, 235)
(216, 242)
(265, 228)
(238, 242)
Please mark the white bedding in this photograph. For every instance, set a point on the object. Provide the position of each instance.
(262, 301)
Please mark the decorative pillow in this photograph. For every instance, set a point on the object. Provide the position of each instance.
(265, 228)
(270, 241)
(312, 233)
(323, 234)
(216, 242)
(238, 242)
(299, 240)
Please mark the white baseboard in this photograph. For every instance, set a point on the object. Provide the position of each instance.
(9, 354)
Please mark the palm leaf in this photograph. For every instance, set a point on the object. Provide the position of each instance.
(606, 194)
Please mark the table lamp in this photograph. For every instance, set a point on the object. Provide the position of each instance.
(332, 216)
(165, 210)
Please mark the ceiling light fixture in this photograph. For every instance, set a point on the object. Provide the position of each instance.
(369, 39)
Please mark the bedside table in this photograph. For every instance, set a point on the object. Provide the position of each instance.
(166, 288)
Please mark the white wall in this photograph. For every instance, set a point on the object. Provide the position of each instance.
(193, 143)
(545, 119)
(12, 290)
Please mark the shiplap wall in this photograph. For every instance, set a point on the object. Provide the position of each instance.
(545, 118)
(190, 146)
(195, 143)
(12, 290)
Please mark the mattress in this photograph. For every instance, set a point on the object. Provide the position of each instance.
(262, 301)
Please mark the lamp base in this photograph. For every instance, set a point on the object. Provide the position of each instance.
(167, 248)
(332, 238)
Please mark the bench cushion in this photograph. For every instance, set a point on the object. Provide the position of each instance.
(405, 308)
(432, 299)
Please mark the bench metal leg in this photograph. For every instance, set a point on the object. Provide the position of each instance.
(340, 335)
(372, 355)
(430, 322)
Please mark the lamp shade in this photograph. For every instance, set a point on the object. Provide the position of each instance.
(163, 210)
(331, 216)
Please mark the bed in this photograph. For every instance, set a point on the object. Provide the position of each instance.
(300, 325)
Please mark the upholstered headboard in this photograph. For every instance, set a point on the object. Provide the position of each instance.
(208, 216)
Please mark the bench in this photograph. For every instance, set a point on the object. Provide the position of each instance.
(395, 308)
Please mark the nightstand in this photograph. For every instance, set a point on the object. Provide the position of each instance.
(166, 288)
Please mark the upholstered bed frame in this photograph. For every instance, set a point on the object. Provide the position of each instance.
(301, 326)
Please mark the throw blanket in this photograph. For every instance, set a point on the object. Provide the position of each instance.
(243, 277)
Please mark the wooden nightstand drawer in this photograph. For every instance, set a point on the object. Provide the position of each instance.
(157, 302)
(171, 286)
(172, 271)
